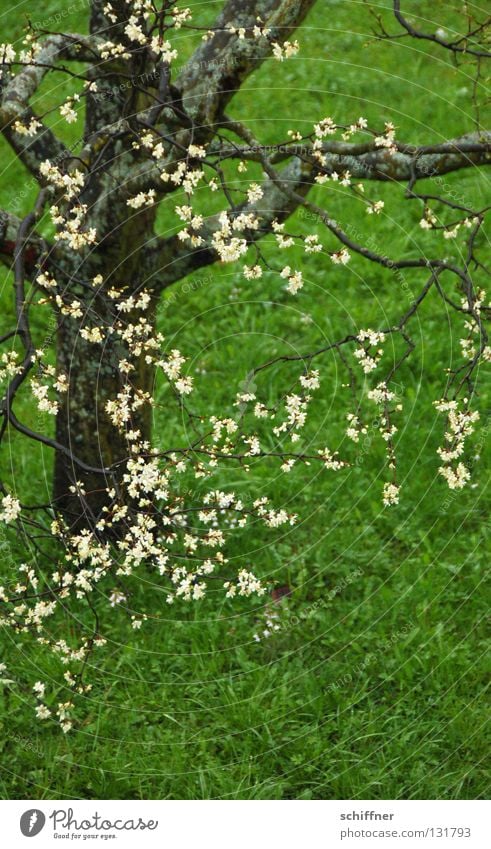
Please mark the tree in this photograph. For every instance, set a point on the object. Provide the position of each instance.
(90, 252)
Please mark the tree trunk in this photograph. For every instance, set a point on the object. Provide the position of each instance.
(93, 370)
(83, 425)
(94, 375)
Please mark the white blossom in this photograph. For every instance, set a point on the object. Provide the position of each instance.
(11, 509)
(390, 494)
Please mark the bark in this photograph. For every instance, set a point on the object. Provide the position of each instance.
(84, 427)
(94, 370)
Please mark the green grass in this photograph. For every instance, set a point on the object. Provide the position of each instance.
(378, 689)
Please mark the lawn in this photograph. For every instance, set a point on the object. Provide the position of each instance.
(374, 685)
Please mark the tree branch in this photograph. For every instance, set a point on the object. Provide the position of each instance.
(34, 246)
(365, 161)
(17, 91)
(217, 69)
(168, 260)
(454, 46)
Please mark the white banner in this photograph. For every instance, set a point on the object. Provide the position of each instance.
(245, 825)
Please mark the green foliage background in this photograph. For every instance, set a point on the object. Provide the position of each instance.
(376, 689)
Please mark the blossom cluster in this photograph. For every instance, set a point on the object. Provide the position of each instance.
(460, 425)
